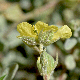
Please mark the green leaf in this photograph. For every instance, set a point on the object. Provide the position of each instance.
(1, 78)
(47, 63)
(12, 71)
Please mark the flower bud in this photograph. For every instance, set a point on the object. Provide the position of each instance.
(30, 41)
(45, 37)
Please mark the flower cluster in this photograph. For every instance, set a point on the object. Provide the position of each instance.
(42, 33)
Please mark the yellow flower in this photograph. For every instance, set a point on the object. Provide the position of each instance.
(42, 32)
(26, 29)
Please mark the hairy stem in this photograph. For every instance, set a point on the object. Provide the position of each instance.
(41, 48)
(46, 77)
(36, 48)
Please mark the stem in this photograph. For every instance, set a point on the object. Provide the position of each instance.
(41, 48)
(46, 77)
(36, 48)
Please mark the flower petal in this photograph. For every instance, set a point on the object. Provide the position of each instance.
(52, 27)
(63, 32)
(40, 26)
(26, 29)
(56, 37)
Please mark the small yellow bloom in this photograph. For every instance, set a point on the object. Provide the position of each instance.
(41, 31)
(26, 29)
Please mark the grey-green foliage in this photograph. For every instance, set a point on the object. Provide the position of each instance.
(2, 77)
(16, 57)
(38, 3)
(70, 43)
(25, 4)
(70, 62)
(11, 71)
